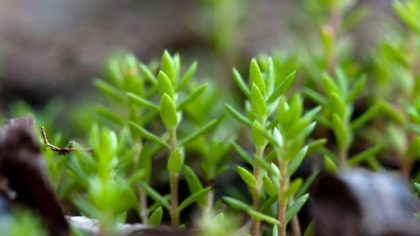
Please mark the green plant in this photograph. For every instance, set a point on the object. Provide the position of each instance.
(278, 123)
(161, 129)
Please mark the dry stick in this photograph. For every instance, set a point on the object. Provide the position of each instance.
(60, 150)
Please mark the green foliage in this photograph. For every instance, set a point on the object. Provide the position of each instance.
(161, 125)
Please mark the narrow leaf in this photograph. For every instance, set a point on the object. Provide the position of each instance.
(193, 198)
(168, 111)
(165, 84)
(234, 203)
(194, 184)
(238, 116)
(110, 115)
(109, 90)
(256, 76)
(148, 74)
(366, 154)
(258, 103)
(282, 87)
(156, 217)
(200, 132)
(148, 135)
(155, 195)
(247, 177)
(142, 101)
(366, 117)
(262, 217)
(296, 206)
(240, 83)
(192, 97)
(189, 74)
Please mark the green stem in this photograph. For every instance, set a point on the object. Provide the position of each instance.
(282, 201)
(174, 200)
(173, 183)
(342, 158)
(143, 206)
(256, 227)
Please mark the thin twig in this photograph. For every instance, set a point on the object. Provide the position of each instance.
(61, 150)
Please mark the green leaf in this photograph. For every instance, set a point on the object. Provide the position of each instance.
(417, 186)
(258, 103)
(194, 184)
(168, 112)
(187, 76)
(240, 82)
(247, 177)
(238, 116)
(148, 74)
(295, 207)
(242, 153)
(256, 77)
(193, 198)
(262, 217)
(337, 105)
(236, 204)
(293, 188)
(366, 154)
(275, 230)
(148, 135)
(307, 184)
(142, 101)
(316, 144)
(192, 96)
(340, 131)
(165, 84)
(155, 218)
(175, 162)
(269, 186)
(258, 138)
(297, 160)
(168, 66)
(310, 115)
(392, 112)
(200, 132)
(110, 115)
(309, 231)
(155, 195)
(108, 90)
(366, 117)
(282, 87)
(330, 165)
(329, 85)
(357, 88)
(314, 96)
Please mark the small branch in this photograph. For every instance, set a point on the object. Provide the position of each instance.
(61, 150)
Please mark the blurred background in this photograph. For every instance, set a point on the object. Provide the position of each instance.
(53, 48)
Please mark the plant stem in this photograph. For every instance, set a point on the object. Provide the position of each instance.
(334, 25)
(282, 201)
(342, 158)
(143, 206)
(174, 200)
(256, 192)
(173, 183)
(296, 227)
